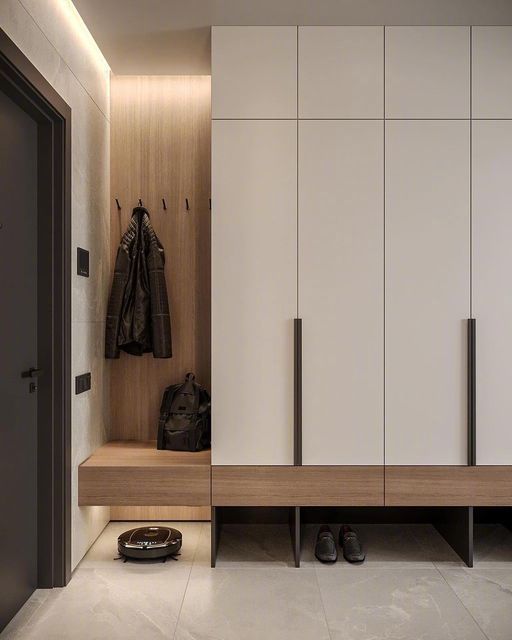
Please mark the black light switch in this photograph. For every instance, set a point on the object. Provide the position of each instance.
(82, 383)
(82, 262)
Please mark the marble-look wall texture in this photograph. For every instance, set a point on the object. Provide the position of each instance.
(52, 35)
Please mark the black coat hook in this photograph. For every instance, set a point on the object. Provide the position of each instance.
(210, 204)
(164, 203)
(118, 205)
(186, 204)
(140, 203)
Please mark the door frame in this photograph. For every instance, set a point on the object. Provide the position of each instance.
(24, 84)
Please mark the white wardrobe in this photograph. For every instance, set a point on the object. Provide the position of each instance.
(361, 183)
(254, 289)
(492, 241)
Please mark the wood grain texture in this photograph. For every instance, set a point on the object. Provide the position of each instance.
(136, 473)
(297, 486)
(448, 486)
(161, 514)
(160, 148)
(134, 453)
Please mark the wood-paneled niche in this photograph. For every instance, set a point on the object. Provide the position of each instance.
(160, 150)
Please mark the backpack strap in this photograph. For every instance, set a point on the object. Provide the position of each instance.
(160, 437)
(164, 414)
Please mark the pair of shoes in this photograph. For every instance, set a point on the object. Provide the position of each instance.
(325, 547)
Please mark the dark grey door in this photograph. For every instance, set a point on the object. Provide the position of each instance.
(18, 354)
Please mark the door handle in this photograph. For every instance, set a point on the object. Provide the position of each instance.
(32, 373)
(471, 392)
(297, 383)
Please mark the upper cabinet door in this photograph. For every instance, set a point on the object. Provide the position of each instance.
(427, 72)
(254, 72)
(492, 289)
(341, 267)
(254, 290)
(492, 72)
(427, 291)
(341, 72)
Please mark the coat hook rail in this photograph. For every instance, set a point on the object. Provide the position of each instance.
(186, 204)
(118, 205)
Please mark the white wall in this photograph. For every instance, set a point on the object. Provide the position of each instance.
(174, 34)
(51, 34)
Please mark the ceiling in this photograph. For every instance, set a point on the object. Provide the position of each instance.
(173, 36)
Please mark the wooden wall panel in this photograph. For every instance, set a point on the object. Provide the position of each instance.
(160, 148)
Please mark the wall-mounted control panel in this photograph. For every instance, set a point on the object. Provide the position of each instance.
(82, 262)
(82, 383)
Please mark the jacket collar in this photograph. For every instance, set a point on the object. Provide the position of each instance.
(140, 211)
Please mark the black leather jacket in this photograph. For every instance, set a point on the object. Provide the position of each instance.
(138, 318)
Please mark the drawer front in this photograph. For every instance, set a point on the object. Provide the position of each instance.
(297, 486)
(448, 486)
(145, 486)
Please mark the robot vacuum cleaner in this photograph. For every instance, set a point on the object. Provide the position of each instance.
(146, 543)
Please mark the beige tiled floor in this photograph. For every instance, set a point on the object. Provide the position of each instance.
(412, 587)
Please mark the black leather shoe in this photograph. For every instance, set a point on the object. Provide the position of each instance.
(352, 550)
(325, 547)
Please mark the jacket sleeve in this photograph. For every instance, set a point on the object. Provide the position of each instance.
(160, 316)
(115, 302)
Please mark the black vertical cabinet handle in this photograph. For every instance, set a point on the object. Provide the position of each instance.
(471, 392)
(297, 392)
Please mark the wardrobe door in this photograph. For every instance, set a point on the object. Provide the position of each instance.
(492, 289)
(427, 72)
(492, 72)
(254, 72)
(341, 267)
(254, 290)
(427, 291)
(341, 72)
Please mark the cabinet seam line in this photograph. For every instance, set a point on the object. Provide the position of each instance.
(297, 167)
(384, 257)
(470, 171)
